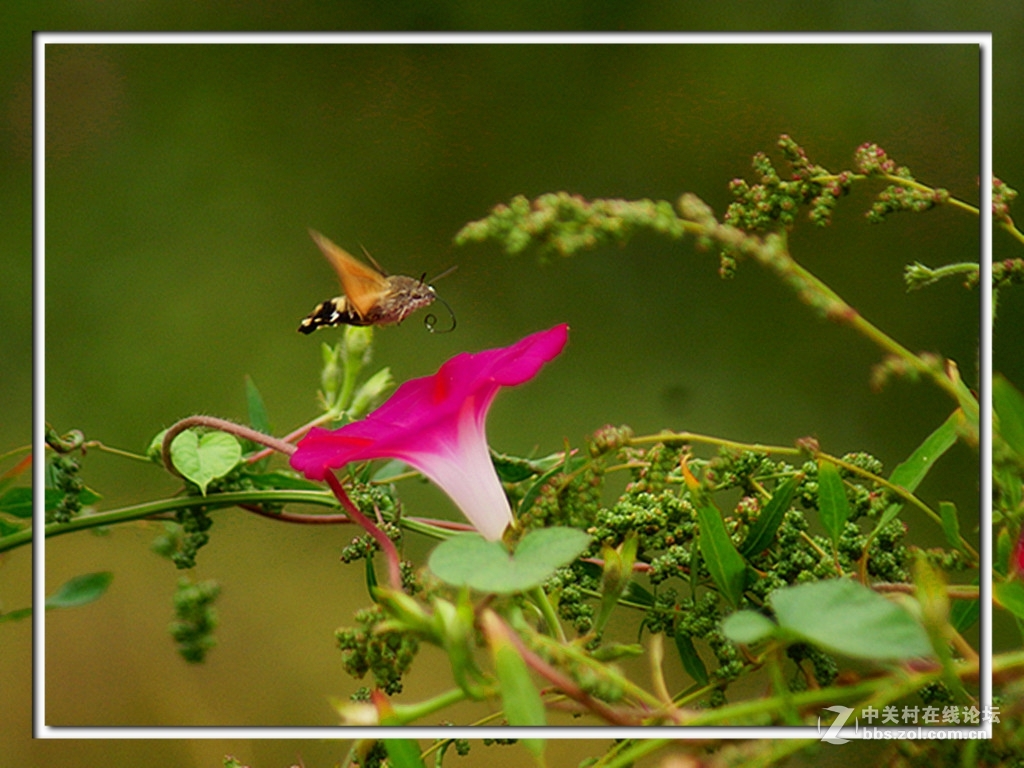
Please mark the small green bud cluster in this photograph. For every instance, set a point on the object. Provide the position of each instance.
(195, 619)
(362, 547)
(567, 587)
(378, 502)
(386, 653)
(1007, 272)
(63, 476)
(1003, 196)
(772, 204)
(871, 160)
(194, 524)
(896, 198)
(564, 224)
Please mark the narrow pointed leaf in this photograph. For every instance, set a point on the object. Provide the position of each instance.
(950, 524)
(692, 662)
(911, 472)
(1010, 595)
(1009, 407)
(832, 502)
(519, 696)
(258, 418)
(762, 532)
(403, 753)
(728, 569)
(80, 590)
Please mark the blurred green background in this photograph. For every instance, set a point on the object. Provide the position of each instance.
(180, 182)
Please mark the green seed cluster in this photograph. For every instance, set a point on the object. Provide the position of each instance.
(64, 478)
(386, 655)
(1003, 196)
(364, 546)
(561, 223)
(568, 588)
(773, 203)
(194, 524)
(195, 619)
(896, 198)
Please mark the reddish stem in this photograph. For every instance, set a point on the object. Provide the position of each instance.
(386, 544)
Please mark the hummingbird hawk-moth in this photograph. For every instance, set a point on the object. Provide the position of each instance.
(371, 296)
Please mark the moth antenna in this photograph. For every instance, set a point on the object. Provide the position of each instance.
(446, 272)
(373, 261)
(430, 321)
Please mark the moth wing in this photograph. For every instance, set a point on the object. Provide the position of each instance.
(363, 284)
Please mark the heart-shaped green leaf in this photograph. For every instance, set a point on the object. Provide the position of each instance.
(203, 459)
(486, 566)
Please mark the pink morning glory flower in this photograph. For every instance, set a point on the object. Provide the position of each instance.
(437, 425)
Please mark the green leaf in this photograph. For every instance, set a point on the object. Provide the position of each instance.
(16, 615)
(846, 617)
(403, 753)
(391, 469)
(18, 502)
(964, 614)
(950, 524)
(1008, 404)
(832, 502)
(728, 569)
(515, 469)
(203, 459)
(692, 662)
(1010, 595)
(258, 418)
(637, 594)
(748, 627)
(80, 590)
(486, 566)
(370, 393)
(762, 532)
(911, 472)
(519, 696)
(6, 528)
(1001, 553)
(566, 465)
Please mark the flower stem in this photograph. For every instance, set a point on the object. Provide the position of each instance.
(386, 544)
(540, 598)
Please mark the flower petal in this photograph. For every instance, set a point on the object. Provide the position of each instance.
(437, 425)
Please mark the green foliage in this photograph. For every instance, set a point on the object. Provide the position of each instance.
(770, 565)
